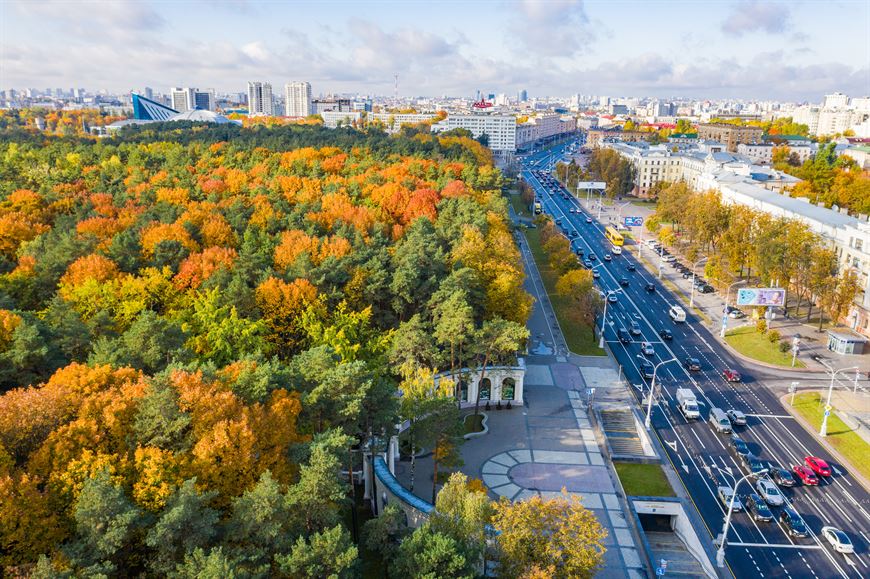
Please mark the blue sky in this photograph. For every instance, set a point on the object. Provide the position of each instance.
(750, 49)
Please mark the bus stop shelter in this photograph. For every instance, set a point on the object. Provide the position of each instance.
(843, 342)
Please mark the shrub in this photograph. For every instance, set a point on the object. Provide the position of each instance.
(761, 326)
(784, 346)
(773, 336)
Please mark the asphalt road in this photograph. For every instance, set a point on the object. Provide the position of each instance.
(700, 456)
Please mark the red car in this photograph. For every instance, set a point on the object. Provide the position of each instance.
(807, 476)
(731, 375)
(818, 466)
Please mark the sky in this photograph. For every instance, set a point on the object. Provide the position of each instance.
(743, 49)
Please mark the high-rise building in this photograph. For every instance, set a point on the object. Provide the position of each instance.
(297, 99)
(204, 99)
(259, 99)
(835, 101)
(182, 99)
(523, 96)
(149, 93)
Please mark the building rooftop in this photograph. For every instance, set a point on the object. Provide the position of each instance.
(202, 116)
(801, 207)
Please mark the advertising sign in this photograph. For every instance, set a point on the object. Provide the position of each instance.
(761, 296)
(596, 185)
(633, 221)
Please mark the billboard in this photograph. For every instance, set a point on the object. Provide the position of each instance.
(633, 221)
(761, 296)
(596, 185)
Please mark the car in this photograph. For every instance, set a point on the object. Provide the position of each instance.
(752, 463)
(839, 540)
(725, 494)
(734, 312)
(587, 264)
(630, 267)
(793, 523)
(647, 349)
(623, 336)
(592, 257)
(579, 251)
(665, 334)
(818, 466)
(739, 445)
(595, 274)
(769, 492)
(736, 417)
(571, 210)
(574, 234)
(782, 477)
(650, 287)
(668, 258)
(807, 476)
(731, 375)
(607, 257)
(634, 328)
(612, 298)
(588, 220)
(692, 364)
(706, 289)
(623, 281)
(686, 275)
(757, 508)
(645, 367)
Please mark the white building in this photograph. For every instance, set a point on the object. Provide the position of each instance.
(393, 122)
(183, 99)
(297, 99)
(259, 99)
(763, 152)
(500, 129)
(332, 119)
(835, 101)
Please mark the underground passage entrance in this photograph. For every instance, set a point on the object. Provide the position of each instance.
(656, 523)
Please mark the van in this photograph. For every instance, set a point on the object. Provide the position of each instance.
(719, 420)
(677, 313)
(616, 250)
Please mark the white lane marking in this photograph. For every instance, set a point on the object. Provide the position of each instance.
(775, 546)
(698, 438)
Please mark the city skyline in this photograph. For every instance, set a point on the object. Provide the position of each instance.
(743, 49)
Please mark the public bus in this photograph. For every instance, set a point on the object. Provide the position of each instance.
(613, 236)
(538, 208)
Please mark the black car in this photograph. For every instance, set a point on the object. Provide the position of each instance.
(692, 364)
(587, 264)
(630, 267)
(757, 508)
(579, 251)
(650, 287)
(665, 334)
(740, 447)
(623, 336)
(793, 523)
(687, 274)
(646, 367)
(623, 281)
(751, 463)
(573, 234)
(592, 257)
(781, 477)
(634, 328)
(706, 289)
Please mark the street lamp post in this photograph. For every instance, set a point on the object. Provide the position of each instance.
(823, 431)
(720, 554)
(725, 313)
(652, 389)
(619, 211)
(603, 318)
(694, 265)
(661, 259)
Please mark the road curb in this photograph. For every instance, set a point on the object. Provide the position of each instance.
(858, 476)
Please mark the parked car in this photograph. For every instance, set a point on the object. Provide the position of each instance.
(838, 539)
(634, 328)
(725, 494)
(647, 349)
(687, 274)
(731, 375)
(818, 466)
(706, 289)
(782, 477)
(623, 336)
(692, 364)
(736, 417)
(757, 508)
(807, 476)
(793, 523)
(769, 492)
(739, 445)
(665, 334)
(735, 313)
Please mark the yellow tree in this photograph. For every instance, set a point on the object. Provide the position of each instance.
(558, 536)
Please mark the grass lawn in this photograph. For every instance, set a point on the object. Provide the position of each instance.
(754, 345)
(643, 480)
(473, 423)
(851, 445)
(520, 208)
(579, 338)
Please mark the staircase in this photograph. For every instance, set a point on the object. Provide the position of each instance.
(667, 546)
(621, 430)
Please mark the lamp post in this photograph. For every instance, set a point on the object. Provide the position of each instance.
(823, 431)
(720, 554)
(694, 265)
(619, 211)
(661, 259)
(603, 317)
(652, 389)
(725, 313)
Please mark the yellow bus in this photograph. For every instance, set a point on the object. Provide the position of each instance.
(613, 236)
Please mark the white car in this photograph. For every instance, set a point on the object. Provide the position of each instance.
(588, 220)
(725, 493)
(769, 492)
(736, 417)
(838, 539)
(647, 349)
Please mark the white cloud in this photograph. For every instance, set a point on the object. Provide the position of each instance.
(756, 15)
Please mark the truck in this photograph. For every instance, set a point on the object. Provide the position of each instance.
(687, 403)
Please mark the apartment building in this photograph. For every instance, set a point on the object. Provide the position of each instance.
(501, 130)
(763, 152)
(730, 135)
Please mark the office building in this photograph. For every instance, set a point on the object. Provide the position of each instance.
(188, 99)
(501, 130)
(204, 99)
(730, 135)
(319, 106)
(297, 99)
(259, 99)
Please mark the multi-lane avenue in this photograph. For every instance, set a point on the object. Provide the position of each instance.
(703, 458)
